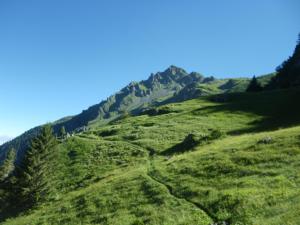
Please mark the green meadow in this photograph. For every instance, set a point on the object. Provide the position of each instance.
(221, 159)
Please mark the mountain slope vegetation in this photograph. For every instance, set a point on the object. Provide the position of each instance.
(237, 163)
(177, 148)
(172, 85)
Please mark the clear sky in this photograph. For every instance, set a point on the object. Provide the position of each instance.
(57, 57)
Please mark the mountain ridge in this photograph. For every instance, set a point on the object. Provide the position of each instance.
(171, 85)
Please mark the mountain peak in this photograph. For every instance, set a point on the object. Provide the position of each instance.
(172, 73)
(175, 70)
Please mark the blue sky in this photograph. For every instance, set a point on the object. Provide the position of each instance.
(57, 57)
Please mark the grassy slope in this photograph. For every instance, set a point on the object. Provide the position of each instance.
(117, 174)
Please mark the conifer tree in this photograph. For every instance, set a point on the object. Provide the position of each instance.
(288, 73)
(63, 132)
(8, 165)
(254, 85)
(31, 176)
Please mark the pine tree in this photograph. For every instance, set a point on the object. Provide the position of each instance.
(288, 73)
(8, 165)
(32, 185)
(254, 85)
(63, 132)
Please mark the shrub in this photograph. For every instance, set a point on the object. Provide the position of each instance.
(159, 111)
(265, 140)
(192, 140)
(216, 134)
(189, 142)
(150, 124)
(131, 137)
(72, 154)
(107, 133)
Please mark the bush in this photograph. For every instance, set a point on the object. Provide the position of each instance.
(192, 140)
(265, 140)
(107, 133)
(216, 134)
(159, 111)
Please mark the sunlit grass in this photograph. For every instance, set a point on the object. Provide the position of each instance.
(120, 173)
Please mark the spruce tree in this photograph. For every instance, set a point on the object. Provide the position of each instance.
(288, 73)
(8, 165)
(32, 184)
(63, 132)
(6, 185)
(254, 85)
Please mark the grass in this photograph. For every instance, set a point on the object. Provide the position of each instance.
(173, 168)
(127, 198)
(240, 180)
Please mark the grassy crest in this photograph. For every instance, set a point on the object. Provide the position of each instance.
(230, 158)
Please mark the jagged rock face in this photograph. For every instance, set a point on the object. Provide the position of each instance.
(191, 78)
(159, 85)
(137, 93)
(170, 75)
(129, 99)
(188, 92)
(173, 75)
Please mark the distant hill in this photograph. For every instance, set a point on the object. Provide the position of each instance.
(172, 85)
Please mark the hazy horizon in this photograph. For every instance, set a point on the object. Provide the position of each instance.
(4, 139)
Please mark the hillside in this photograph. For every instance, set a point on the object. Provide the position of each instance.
(172, 85)
(230, 158)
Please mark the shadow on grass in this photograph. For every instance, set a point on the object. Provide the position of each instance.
(192, 140)
(278, 109)
(186, 145)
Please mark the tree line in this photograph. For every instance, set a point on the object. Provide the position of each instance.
(25, 185)
(287, 74)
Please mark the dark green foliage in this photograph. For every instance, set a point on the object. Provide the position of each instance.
(265, 140)
(8, 165)
(6, 181)
(155, 112)
(63, 132)
(288, 73)
(159, 111)
(107, 133)
(192, 140)
(20, 144)
(216, 134)
(32, 184)
(254, 85)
